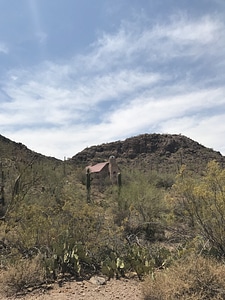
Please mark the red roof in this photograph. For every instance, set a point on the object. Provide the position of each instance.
(98, 167)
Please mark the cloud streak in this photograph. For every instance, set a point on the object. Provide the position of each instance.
(175, 39)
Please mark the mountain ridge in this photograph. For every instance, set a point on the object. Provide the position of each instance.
(11, 149)
(163, 152)
(152, 150)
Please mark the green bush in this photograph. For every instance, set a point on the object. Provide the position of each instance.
(141, 206)
(202, 202)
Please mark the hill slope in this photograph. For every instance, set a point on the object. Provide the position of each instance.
(14, 151)
(26, 172)
(45, 214)
(163, 152)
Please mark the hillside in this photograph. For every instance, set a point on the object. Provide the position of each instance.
(161, 152)
(21, 169)
(17, 151)
(54, 226)
(165, 152)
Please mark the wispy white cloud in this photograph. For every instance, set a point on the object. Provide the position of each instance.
(39, 33)
(182, 30)
(179, 37)
(59, 102)
(136, 80)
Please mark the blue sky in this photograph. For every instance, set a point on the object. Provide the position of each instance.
(77, 73)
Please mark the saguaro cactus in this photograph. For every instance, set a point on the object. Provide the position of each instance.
(119, 179)
(88, 185)
(119, 182)
(2, 194)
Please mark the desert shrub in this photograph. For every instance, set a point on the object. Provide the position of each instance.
(141, 206)
(22, 274)
(201, 201)
(51, 218)
(193, 277)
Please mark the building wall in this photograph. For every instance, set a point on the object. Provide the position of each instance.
(99, 177)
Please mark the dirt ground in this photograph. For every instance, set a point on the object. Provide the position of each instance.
(86, 290)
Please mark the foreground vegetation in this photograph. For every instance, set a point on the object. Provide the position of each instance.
(167, 228)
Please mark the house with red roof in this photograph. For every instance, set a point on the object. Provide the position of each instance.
(104, 170)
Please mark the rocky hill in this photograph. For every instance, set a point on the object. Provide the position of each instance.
(162, 152)
(17, 151)
(21, 168)
(15, 157)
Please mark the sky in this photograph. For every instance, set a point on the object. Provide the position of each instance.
(78, 73)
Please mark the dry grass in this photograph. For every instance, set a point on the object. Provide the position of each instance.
(21, 275)
(195, 278)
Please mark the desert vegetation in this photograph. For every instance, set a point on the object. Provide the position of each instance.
(167, 229)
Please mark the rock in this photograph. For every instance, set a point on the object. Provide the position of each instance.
(160, 152)
(97, 280)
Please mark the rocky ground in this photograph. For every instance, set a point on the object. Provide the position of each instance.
(88, 290)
